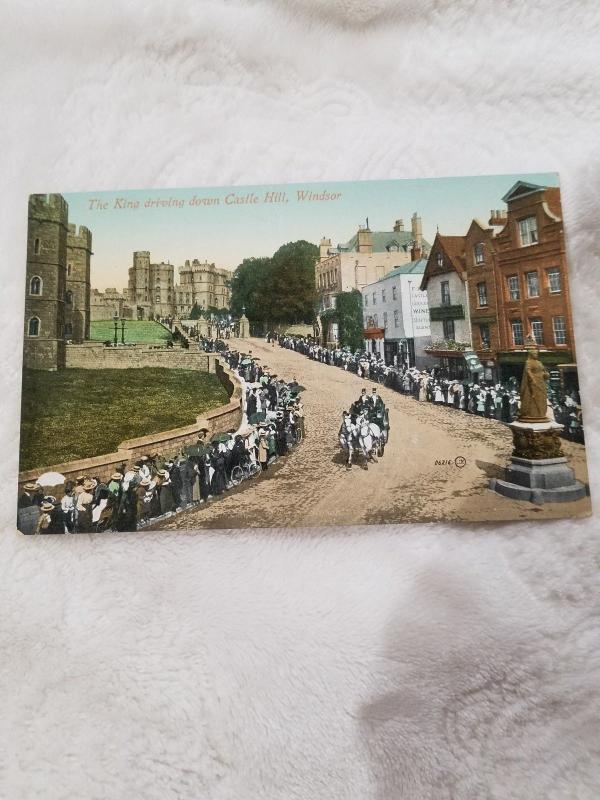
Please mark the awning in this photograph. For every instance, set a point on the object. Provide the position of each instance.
(374, 333)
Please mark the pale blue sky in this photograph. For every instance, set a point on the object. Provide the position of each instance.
(227, 233)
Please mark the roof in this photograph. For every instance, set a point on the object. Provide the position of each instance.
(521, 188)
(383, 241)
(453, 248)
(414, 268)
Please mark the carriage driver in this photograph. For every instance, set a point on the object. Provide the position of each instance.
(376, 410)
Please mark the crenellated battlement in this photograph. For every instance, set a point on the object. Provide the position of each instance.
(80, 237)
(49, 207)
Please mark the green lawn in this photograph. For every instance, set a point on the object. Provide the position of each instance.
(135, 331)
(78, 413)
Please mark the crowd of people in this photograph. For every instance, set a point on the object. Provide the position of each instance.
(498, 401)
(155, 486)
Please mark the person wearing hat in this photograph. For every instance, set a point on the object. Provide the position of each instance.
(143, 501)
(263, 449)
(31, 495)
(114, 484)
(165, 492)
(85, 500)
(68, 506)
(44, 520)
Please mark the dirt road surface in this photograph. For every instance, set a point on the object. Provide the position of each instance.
(416, 480)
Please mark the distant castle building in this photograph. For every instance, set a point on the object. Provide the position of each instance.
(107, 304)
(152, 291)
(57, 291)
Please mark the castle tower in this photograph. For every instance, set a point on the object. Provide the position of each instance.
(161, 289)
(44, 345)
(139, 284)
(77, 297)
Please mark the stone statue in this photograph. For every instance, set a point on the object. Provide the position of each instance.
(534, 395)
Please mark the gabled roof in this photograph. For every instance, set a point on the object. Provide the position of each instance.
(453, 248)
(520, 189)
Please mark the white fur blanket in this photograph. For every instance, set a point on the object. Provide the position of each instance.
(402, 662)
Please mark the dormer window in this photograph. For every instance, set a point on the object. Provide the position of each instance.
(440, 259)
(478, 253)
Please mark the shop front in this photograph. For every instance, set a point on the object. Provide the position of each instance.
(512, 362)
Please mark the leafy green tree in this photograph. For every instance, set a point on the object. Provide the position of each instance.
(348, 306)
(196, 311)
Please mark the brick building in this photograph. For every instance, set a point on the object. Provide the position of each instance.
(532, 280)
(483, 301)
(57, 289)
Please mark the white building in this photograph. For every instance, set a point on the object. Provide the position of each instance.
(396, 316)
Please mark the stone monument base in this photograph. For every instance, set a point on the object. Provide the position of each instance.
(538, 471)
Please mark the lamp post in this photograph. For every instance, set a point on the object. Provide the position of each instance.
(116, 323)
(122, 330)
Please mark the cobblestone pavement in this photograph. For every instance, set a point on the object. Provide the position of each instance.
(416, 480)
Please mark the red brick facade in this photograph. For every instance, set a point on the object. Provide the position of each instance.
(531, 277)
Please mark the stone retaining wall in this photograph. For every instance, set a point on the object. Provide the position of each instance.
(166, 443)
(94, 355)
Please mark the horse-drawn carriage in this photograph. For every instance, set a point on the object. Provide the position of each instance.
(366, 433)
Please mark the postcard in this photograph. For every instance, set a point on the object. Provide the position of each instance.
(298, 356)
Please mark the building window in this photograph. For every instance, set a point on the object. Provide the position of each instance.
(36, 249)
(394, 293)
(383, 295)
(554, 280)
(445, 287)
(157, 300)
(396, 318)
(33, 327)
(537, 330)
(366, 300)
(68, 328)
(448, 325)
(533, 284)
(478, 253)
(375, 321)
(69, 297)
(560, 330)
(484, 333)
(514, 293)
(69, 268)
(440, 259)
(35, 285)
(482, 294)
(528, 231)
(385, 319)
(374, 298)
(517, 332)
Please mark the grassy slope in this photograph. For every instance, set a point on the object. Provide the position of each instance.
(135, 331)
(78, 413)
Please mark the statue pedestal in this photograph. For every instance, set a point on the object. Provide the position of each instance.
(244, 327)
(538, 472)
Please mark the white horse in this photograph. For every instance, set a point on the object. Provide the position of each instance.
(348, 437)
(370, 438)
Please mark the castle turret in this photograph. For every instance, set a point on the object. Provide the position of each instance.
(77, 297)
(399, 226)
(44, 345)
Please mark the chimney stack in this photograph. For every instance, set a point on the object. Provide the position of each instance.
(415, 252)
(417, 230)
(399, 226)
(364, 240)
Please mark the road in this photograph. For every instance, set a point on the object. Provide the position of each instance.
(416, 480)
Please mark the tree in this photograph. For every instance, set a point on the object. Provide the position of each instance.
(348, 307)
(196, 311)
(277, 290)
(293, 282)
